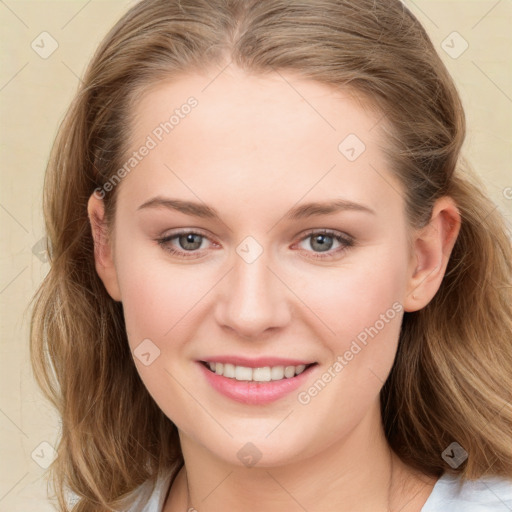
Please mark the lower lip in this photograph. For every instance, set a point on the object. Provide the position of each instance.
(255, 393)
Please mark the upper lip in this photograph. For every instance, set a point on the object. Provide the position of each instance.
(258, 362)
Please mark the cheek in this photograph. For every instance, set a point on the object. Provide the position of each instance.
(363, 311)
(158, 302)
(356, 295)
(359, 305)
(161, 298)
(149, 303)
(153, 295)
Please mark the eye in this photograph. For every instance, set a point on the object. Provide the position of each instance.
(186, 243)
(323, 241)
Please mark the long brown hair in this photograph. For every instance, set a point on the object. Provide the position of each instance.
(452, 376)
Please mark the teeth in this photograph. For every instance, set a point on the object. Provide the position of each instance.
(243, 373)
(264, 374)
(277, 372)
(289, 371)
(229, 371)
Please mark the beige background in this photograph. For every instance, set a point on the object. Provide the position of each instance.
(34, 94)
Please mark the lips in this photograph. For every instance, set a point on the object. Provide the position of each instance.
(251, 392)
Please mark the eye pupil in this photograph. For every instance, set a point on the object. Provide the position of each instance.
(189, 239)
(321, 239)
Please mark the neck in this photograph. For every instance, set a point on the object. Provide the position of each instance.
(359, 472)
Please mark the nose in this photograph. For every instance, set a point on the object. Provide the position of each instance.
(253, 301)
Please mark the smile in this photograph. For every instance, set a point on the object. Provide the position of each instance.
(263, 374)
(259, 385)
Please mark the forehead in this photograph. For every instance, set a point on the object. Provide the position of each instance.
(243, 135)
(276, 108)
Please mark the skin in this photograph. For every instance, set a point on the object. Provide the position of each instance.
(253, 148)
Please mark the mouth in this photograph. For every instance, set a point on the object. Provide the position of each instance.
(256, 385)
(260, 374)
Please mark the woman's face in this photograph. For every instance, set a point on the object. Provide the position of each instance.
(257, 281)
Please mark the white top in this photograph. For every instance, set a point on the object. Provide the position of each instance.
(487, 494)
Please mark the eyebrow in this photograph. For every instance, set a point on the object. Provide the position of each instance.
(302, 211)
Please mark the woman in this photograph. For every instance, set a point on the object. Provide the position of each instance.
(275, 283)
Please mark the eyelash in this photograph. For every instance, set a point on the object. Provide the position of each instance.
(346, 241)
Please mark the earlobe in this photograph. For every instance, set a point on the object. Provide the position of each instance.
(432, 247)
(103, 250)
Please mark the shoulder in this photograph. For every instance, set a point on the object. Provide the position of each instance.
(486, 494)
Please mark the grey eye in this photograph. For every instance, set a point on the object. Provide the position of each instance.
(190, 241)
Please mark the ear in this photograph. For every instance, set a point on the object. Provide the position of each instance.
(103, 247)
(431, 249)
